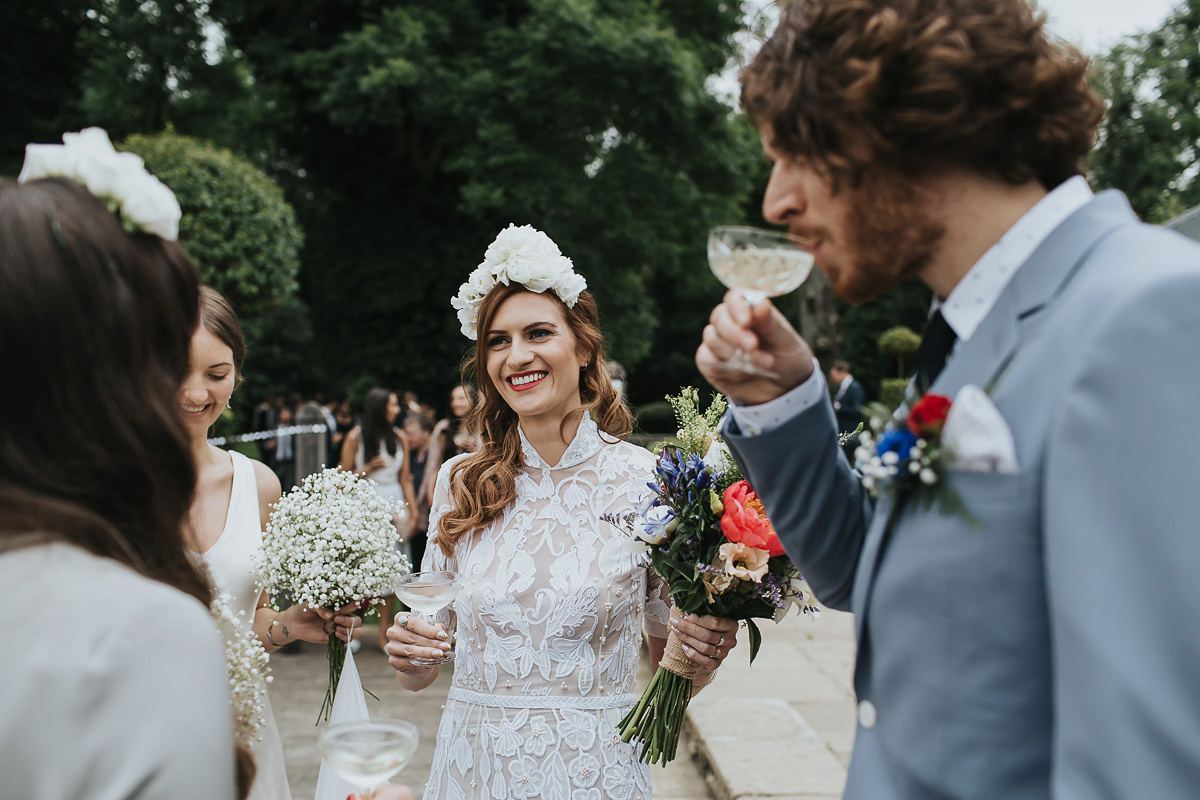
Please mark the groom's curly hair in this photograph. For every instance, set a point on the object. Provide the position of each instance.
(923, 85)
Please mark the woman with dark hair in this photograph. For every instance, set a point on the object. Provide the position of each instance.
(551, 610)
(378, 450)
(234, 496)
(95, 485)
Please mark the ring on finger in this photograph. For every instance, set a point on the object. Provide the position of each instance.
(722, 640)
(402, 620)
(717, 653)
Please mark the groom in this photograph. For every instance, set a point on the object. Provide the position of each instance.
(1043, 641)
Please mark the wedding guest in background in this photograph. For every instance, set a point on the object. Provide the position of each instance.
(549, 617)
(333, 436)
(347, 417)
(1019, 605)
(232, 503)
(453, 435)
(418, 426)
(285, 451)
(848, 396)
(95, 486)
(266, 418)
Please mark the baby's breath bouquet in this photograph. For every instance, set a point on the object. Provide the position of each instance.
(331, 542)
(709, 538)
(247, 663)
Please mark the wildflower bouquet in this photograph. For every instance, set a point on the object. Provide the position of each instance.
(708, 537)
(331, 542)
(247, 664)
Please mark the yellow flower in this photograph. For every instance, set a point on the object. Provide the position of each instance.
(714, 502)
(745, 562)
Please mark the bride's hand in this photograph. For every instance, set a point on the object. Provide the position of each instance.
(315, 624)
(412, 636)
(706, 640)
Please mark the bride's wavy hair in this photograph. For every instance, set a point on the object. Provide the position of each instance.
(96, 324)
(484, 483)
(922, 86)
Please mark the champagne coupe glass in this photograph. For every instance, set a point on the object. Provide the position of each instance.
(369, 751)
(425, 593)
(760, 263)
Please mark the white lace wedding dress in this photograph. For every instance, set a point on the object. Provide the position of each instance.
(549, 624)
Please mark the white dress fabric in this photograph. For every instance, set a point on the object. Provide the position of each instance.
(549, 625)
(229, 563)
(387, 484)
(125, 696)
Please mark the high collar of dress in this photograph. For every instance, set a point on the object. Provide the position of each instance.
(587, 443)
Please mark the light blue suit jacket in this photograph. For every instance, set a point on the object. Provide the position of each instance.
(1054, 650)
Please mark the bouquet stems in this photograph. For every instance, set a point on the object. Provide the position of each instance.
(657, 719)
(335, 648)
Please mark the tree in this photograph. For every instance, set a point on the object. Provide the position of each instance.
(245, 240)
(40, 70)
(409, 135)
(899, 342)
(153, 63)
(1148, 143)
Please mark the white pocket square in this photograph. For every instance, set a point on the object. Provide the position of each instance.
(977, 435)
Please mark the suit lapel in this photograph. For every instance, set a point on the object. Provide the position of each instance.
(982, 358)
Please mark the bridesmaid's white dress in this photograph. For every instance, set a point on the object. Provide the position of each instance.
(229, 562)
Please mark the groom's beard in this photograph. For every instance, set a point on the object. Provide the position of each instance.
(891, 233)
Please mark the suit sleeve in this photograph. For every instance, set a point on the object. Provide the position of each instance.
(1122, 553)
(812, 496)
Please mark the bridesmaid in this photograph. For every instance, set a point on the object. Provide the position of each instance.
(233, 500)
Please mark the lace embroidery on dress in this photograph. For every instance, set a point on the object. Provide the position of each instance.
(549, 625)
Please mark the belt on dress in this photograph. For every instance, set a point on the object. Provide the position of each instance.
(541, 701)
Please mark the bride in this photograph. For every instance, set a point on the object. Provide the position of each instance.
(230, 509)
(552, 605)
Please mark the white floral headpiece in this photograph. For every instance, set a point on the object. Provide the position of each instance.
(142, 201)
(521, 255)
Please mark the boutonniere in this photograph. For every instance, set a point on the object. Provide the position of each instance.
(909, 456)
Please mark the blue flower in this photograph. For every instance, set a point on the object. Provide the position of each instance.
(899, 442)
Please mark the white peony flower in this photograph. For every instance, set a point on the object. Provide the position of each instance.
(519, 255)
(119, 179)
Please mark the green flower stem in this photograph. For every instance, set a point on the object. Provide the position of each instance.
(335, 648)
(657, 719)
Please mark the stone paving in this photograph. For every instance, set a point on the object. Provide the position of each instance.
(780, 729)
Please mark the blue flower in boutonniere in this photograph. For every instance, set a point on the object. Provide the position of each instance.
(910, 457)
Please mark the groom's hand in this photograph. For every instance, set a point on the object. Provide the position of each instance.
(765, 335)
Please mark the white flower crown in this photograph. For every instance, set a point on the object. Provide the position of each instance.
(142, 201)
(521, 255)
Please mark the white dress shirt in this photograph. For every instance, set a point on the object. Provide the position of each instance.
(969, 302)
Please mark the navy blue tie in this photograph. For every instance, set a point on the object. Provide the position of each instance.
(935, 347)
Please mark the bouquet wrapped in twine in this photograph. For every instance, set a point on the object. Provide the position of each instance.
(331, 542)
(706, 534)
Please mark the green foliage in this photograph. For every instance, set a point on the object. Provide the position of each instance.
(899, 341)
(409, 135)
(697, 430)
(244, 238)
(906, 305)
(40, 67)
(1147, 145)
(891, 392)
(656, 417)
(149, 65)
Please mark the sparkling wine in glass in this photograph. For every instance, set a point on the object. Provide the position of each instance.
(367, 752)
(426, 593)
(760, 264)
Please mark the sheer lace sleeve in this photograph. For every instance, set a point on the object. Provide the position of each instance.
(435, 559)
(658, 604)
